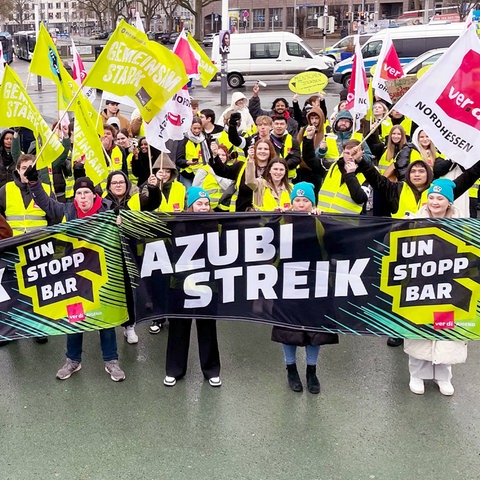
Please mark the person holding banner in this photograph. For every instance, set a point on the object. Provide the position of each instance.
(123, 196)
(433, 359)
(303, 200)
(112, 110)
(178, 342)
(86, 202)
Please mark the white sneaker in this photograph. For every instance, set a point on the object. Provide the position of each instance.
(445, 386)
(169, 381)
(416, 385)
(215, 382)
(130, 334)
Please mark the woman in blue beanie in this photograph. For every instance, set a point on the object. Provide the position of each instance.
(198, 201)
(303, 200)
(433, 359)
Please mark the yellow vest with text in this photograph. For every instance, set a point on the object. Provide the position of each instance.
(334, 196)
(23, 220)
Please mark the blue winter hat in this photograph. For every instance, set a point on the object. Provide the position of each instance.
(443, 186)
(194, 193)
(303, 189)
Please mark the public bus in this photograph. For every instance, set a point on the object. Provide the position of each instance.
(23, 44)
(7, 46)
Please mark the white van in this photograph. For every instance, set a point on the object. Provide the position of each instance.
(409, 42)
(269, 53)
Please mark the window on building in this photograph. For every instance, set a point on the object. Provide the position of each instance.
(275, 16)
(259, 18)
(265, 50)
(58, 5)
(50, 5)
(58, 16)
(290, 16)
(312, 16)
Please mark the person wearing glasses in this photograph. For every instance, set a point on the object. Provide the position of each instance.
(124, 196)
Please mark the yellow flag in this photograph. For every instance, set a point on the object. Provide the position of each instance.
(207, 68)
(86, 142)
(18, 110)
(46, 63)
(139, 68)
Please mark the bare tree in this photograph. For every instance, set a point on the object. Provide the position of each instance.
(169, 7)
(197, 11)
(149, 8)
(107, 12)
(16, 10)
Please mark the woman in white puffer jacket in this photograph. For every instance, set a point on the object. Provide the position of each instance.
(433, 359)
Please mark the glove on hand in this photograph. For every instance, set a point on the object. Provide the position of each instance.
(235, 119)
(31, 173)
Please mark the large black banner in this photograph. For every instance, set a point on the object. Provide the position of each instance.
(338, 273)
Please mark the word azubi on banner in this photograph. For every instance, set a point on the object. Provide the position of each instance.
(340, 273)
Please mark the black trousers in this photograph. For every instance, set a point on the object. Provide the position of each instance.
(179, 342)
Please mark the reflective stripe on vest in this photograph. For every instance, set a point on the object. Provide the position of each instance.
(408, 203)
(270, 203)
(223, 140)
(21, 219)
(233, 200)
(334, 196)
(212, 187)
(176, 199)
(473, 190)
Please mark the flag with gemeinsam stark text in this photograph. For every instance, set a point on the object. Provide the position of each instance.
(446, 101)
(130, 64)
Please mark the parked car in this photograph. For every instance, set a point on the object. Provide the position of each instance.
(173, 37)
(165, 37)
(427, 58)
(346, 46)
(208, 39)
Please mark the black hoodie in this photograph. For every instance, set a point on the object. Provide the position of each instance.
(7, 165)
(393, 190)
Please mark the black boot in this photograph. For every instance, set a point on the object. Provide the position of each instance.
(294, 381)
(313, 384)
(394, 342)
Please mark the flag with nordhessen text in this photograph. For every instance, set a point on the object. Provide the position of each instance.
(446, 101)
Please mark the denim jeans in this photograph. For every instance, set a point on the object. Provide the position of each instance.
(108, 342)
(290, 353)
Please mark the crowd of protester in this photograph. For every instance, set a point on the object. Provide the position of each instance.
(287, 158)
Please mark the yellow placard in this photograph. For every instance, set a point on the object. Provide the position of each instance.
(423, 71)
(307, 83)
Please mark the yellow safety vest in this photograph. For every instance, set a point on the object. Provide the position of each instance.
(134, 202)
(473, 190)
(21, 219)
(334, 196)
(384, 163)
(233, 200)
(408, 203)
(116, 158)
(211, 186)
(192, 150)
(176, 199)
(270, 203)
(223, 140)
(287, 146)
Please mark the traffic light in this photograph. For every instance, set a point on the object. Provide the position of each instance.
(362, 15)
(347, 16)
